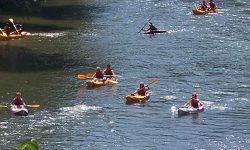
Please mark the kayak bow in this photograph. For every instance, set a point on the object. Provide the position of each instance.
(19, 110)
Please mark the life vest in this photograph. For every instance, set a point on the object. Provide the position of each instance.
(194, 103)
(151, 27)
(18, 101)
(99, 75)
(212, 5)
(7, 30)
(141, 91)
(108, 71)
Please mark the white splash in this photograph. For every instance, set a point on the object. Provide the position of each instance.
(52, 35)
(173, 109)
(78, 109)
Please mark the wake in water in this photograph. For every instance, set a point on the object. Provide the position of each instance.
(79, 109)
(52, 35)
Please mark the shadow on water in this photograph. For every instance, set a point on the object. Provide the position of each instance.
(70, 12)
(47, 18)
(19, 59)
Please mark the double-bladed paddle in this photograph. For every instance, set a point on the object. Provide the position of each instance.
(145, 24)
(154, 81)
(32, 106)
(3, 32)
(12, 21)
(85, 76)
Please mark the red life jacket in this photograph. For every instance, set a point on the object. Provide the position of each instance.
(18, 101)
(141, 91)
(108, 71)
(194, 103)
(99, 75)
(212, 5)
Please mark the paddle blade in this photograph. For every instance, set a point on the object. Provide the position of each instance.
(154, 81)
(3, 106)
(11, 20)
(33, 106)
(81, 76)
(90, 75)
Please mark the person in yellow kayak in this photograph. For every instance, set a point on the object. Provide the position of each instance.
(98, 76)
(109, 73)
(212, 5)
(142, 89)
(18, 100)
(193, 101)
(203, 6)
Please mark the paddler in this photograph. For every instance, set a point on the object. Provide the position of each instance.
(151, 27)
(19, 29)
(142, 89)
(203, 6)
(98, 76)
(109, 73)
(212, 5)
(6, 29)
(18, 100)
(193, 101)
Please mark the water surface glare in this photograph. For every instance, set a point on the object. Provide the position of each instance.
(207, 51)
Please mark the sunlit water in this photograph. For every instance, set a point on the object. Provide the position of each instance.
(211, 52)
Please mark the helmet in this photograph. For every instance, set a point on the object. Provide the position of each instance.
(18, 94)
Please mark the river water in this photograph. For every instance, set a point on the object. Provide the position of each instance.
(208, 54)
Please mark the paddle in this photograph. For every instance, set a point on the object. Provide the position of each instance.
(12, 21)
(3, 32)
(145, 24)
(154, 81)
(83, 76)
(32, 106)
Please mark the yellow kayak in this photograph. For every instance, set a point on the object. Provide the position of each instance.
(13, 36)
(130, 99)
(92, 83)
(204, 12)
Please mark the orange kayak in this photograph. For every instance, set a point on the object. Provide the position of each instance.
(130, 99)
(13, 36)
(204, 12)
(92, 83)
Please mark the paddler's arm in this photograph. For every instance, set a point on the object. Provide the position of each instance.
(186, 105)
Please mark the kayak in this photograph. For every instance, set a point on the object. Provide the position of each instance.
(19, 110)
(93, 83)
(13, 36)
(130, 99)
(155, 31)
(202, 12)
(191, 110)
